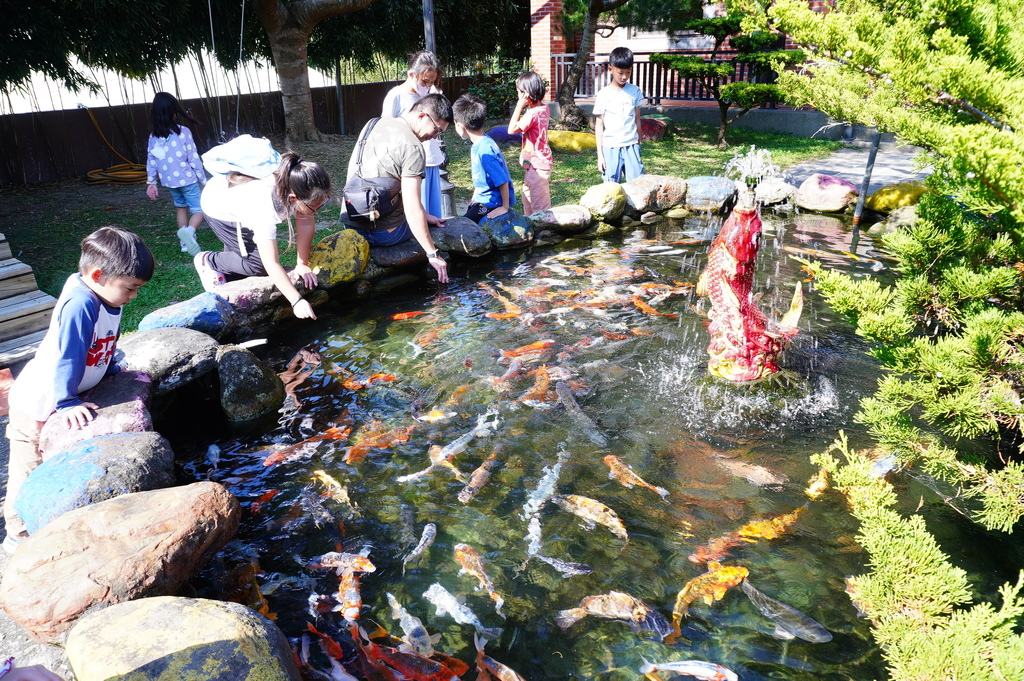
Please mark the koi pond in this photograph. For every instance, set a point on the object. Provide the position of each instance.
(553, 370)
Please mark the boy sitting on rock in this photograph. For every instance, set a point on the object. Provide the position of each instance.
(74, 355)
(493, 195)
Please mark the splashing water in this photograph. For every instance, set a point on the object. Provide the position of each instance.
(752, 167)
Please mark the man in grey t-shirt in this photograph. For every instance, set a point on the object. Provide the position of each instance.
(393, 149)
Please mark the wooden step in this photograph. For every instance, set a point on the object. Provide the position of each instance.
(25, 314)
(20, 349)
(15, 278)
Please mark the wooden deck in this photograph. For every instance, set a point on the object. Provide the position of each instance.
(24, 309)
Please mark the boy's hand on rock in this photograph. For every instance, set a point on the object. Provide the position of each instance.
(79, 415)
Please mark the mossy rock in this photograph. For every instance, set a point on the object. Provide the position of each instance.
(893, 196)
(340, 257)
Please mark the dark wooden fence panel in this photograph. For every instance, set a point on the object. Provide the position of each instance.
(52, 145)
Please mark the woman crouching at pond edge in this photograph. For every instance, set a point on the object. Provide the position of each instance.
(253, 189)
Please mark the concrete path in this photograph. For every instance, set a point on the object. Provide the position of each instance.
(892, 164)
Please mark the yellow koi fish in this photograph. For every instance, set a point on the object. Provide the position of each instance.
(592, 511)
(770, 528)
(710, 586)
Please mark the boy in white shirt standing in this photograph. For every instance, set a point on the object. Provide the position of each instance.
(617, 108)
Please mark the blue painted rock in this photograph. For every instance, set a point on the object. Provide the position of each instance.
(511, 230)
(826, 193)
(500, 134)
(248, 388)
(708, 192)
(129, 547)
(123, 400)
(179, 639)
(562, 219)
(95, 470)
(340, 257)
(605, 201)
(172, 357)
(207, 312)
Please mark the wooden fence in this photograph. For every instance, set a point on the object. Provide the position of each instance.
(52, 145)
(655, 81)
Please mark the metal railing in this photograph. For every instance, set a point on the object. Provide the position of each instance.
(657, 82)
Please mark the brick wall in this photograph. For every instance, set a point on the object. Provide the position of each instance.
(545, 39)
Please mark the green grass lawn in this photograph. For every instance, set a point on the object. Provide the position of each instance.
(44, 223)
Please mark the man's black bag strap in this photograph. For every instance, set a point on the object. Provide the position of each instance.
(361, 142)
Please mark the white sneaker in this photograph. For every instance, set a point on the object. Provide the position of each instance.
(208, 277)
(10, 544)
(187, 240)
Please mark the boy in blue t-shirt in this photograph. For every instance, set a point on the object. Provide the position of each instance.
(493, 195)
(75, 354)
(617, 109)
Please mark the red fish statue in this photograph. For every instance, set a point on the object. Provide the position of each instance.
(744, 345)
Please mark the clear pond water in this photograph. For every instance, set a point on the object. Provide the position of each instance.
(728, 456)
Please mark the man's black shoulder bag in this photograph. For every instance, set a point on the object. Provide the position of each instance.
(368, 199)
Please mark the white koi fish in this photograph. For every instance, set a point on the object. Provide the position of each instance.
(446, 603)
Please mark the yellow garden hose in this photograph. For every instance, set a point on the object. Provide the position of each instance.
(123, 173)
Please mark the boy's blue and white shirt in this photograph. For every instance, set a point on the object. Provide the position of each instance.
(618, 106)
(74, 355)
(490, 172)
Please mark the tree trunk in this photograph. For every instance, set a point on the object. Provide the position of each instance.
(572, 115)
(723, 123)
(288, 27)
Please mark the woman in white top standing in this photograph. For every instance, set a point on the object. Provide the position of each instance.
(253, 188)
(423, 78)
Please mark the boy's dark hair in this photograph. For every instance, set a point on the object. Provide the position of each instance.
(471, 111)
(621, 58)
(532, 84)
(307, 180)
(165, 110)
(118, 253)
(437, 105)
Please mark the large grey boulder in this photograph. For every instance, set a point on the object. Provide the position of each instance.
(172, 357)
(207, 313)
(248, 388)
(653, 193)
(562, 219)
(708, 193)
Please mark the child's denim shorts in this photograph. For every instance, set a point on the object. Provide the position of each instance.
(187, 197)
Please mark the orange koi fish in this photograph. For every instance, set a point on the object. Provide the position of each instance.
(330, 646)
(541, 390)
(710, 586)
(501, 383)
(257, 505)
(526, 350)
(647, 309)
(457, 666)
(769, 528)
(817, 485)
(406, 315)
(356, 383)
(489, 668)
(511, 309)
(429, 336)
(716, 549)
(456, 397)
(358, 452)
(306, 447)
(339, 560)
(614, 336)
(247, 589)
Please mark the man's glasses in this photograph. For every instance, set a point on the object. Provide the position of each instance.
(437, 129)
